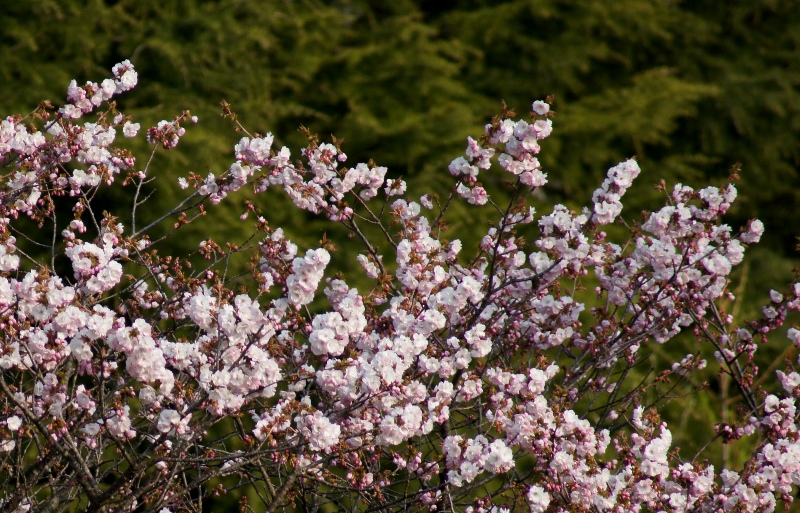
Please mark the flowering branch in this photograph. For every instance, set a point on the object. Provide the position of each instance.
(471, 376)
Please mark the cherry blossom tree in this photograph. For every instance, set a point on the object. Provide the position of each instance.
(494, 375)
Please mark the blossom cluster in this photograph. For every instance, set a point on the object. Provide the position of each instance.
(476, 375)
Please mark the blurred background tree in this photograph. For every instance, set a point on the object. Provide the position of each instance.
(689, 87)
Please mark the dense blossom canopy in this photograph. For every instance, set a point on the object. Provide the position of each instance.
(463, 378)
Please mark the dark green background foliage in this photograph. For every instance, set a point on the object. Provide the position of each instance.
(689, 87)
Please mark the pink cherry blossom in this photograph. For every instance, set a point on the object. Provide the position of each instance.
(486, 374)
